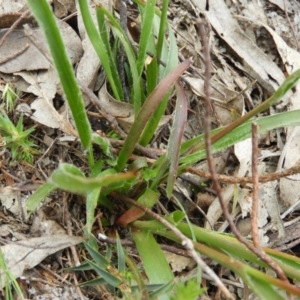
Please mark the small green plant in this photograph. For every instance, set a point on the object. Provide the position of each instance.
(149, 96)
(8, 280)
(16, 139)
(187, 291)
(9, 95)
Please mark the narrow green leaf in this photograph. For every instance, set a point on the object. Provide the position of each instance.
(91, 204)
(69, 178)
(121, 256)
(44, 15)
(107, 276)
(40, 194)
(162, 27)
(158, 272)
(136, 79)
(93, 282)
(99, 46)
(285, 119)
(100, 260)
(147, 19)
(264, 290)
(170, 57)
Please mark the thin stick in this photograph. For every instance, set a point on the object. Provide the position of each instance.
(242, 180)
(13, 26)
(15, 54)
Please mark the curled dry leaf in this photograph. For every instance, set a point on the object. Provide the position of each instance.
(61, 8)
(255, 62)
(122, 111)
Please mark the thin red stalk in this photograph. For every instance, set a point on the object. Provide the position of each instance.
(217, 186)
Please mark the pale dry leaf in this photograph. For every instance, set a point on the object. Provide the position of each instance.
(289, 189)
(122, 111)
(17, 41)
(280, 4)
(243, 152)
(88, 66)
(63, 7)
(14, 42)
(11, 199)
(9, 6)
(178, 263)
(226, 100)
(26, 254)
(44, 113)
(254, 60)
(42, 84)
(268, 197)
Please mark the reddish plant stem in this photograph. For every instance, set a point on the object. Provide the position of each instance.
(217, 186)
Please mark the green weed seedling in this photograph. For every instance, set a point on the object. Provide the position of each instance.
(16, 139)
(9, 96)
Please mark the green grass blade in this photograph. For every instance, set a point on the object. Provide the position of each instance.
(69, 178)
(104, 34)
(40, 194)
(91, 204)
(162, 27)
(136, 94)
(44, 15)
(158, 272)
(101, 50)
(121, 256)
(146, 112)
(107, 276)
(170, 57)
(147, 20)
(99, 259)
(290, 118)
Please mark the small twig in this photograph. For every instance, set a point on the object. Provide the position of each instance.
(209, 155)
(186, 242)
(242, 180)
(13, 26)
(15, 54)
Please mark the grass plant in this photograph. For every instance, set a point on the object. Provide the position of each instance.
(16, 139)
(149, 97)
